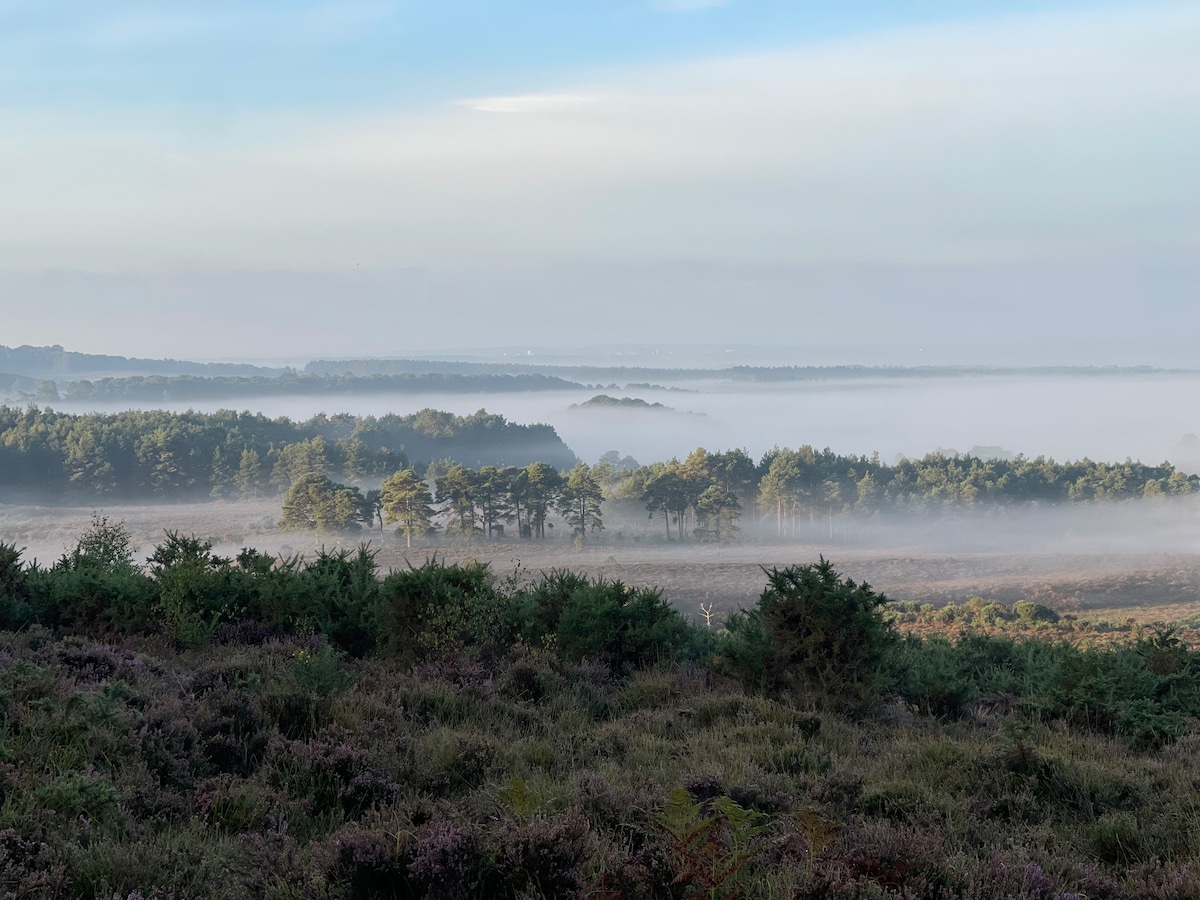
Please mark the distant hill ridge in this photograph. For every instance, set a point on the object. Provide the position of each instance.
(60, 365)
(56, 363)
(605, 374)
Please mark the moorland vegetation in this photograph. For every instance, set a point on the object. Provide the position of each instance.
(207, 727)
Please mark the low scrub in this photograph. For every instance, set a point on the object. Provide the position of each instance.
(285, 728)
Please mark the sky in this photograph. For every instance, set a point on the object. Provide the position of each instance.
(938, 181)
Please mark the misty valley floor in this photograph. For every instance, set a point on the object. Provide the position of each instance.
(1125, 567)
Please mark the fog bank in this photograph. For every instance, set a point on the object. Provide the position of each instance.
(1102, 417)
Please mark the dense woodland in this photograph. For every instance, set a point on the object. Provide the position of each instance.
(52, 457)
(209, 727)
(485, 473)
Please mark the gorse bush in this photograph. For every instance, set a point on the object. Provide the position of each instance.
(814, 633)
(16, 610)
(537, 611)
(1145, 692)
(624, 627)
(436, 609)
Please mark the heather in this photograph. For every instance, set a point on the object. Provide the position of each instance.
(208, 727)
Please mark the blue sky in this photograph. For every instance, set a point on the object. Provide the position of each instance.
(272, 55)
(880, 168)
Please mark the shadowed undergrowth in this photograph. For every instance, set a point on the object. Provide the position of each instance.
(288, 729)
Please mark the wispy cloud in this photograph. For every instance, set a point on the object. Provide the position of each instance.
(530, 103)
(1036, 138)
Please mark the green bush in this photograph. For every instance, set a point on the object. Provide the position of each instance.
(15, 609)
(929, 675)
(80, 594)
(814, 633)
(320, 670)
(1028, 612)
(1115, 839)
(537, 612)
(194, 590)
(344, 596)
(435, 610)
(79, 794)
(622, 626)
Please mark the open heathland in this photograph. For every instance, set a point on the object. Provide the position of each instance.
(289, 727)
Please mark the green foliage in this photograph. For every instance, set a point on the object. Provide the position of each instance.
(579, 502)
(1145, 692)
(745, 649)
(96, 586)
(625, 627)
(436, 609)
(406, 499)
(1115, 839)
(314, 501)
(105, 545)
(193, 588)
(79, 795)
(814, 633)
(537, 612)
(1028, 612)
(320, 671)
(708, 844)
(931, 676)
(16, 611)
(137, 454)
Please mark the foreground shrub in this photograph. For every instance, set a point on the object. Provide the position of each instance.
(813, 633)
(436, 610)
(622, 626)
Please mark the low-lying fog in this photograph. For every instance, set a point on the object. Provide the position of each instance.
(1104, 417)
(1138, 554)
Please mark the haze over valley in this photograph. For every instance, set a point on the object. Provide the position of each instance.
(1067, 416)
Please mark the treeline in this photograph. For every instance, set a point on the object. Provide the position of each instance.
(606, 374)
(48, 456)
(707, 494)
(816, 373)
(158, 388)
(604, 401)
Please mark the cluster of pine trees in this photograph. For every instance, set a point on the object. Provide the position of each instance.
(707, 492)
(706, 496)
(475, 503)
